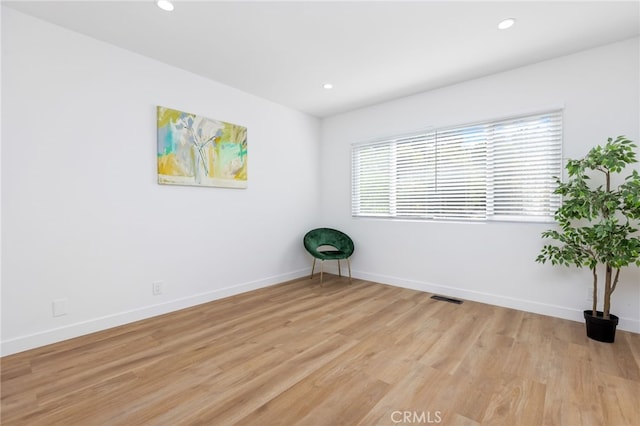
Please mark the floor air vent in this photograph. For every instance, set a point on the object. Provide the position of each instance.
(447, 299)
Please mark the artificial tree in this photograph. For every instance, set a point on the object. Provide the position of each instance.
(598, 221)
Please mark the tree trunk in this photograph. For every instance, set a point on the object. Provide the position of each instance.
(595, 291)
(607, 292)
(607, 277)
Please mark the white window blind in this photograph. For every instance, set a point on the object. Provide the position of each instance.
(499, 170)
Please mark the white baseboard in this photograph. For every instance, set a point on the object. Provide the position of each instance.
(23, 343)
(627, 324)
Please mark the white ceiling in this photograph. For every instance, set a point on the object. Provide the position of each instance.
(372, 51)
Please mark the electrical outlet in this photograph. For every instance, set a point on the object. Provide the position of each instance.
(156, 288)
(59, 307)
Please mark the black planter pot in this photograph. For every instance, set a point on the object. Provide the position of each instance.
(600, 329)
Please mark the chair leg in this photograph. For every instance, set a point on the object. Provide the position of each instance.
(349, 265)
(321, 271)
(339, 272)
(313, 267)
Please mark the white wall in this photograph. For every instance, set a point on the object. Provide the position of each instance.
(493, 263)
(82, 215)
(1, 9)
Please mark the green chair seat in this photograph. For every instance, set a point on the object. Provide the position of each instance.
(331, 255)
(328, 244)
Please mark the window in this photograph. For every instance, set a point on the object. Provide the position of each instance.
(499, 170)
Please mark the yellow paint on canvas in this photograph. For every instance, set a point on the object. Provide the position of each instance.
(167, 115)
(212, 159)
(242, 173)
(168, 165)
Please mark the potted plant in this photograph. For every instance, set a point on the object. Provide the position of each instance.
(598, 222)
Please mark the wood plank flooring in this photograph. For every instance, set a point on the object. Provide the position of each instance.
(301, 354)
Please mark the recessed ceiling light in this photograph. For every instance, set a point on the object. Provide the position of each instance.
(507, 23)
(165, 5)
(328, 86)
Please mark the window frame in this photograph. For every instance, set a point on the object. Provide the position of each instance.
(543, 198)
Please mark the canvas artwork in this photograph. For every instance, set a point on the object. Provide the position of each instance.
(200, 151)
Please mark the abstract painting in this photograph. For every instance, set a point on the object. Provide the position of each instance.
(200, 151)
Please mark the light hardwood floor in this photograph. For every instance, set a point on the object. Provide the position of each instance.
(301, 354)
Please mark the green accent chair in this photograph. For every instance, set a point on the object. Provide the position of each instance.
(328, 244)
